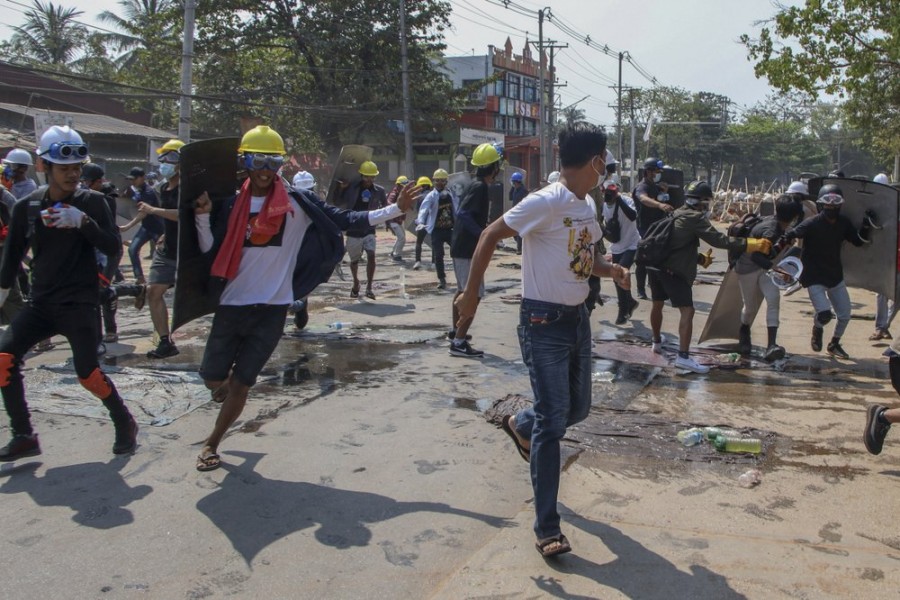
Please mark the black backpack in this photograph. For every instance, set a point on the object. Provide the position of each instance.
(742, 228)
(612, 229)
(653, 249)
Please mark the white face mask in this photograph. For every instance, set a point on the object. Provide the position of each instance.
(166, 171)
(601, 175)
(657, 177)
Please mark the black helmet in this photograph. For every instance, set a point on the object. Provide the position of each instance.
(698, 189)
(830, 195)
(91, 172)
(653, 163)
(109, 189)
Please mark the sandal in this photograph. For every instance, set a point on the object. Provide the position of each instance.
(524, 452)
(553, 546)
(354, 291)
(208, 462)
(370, 294)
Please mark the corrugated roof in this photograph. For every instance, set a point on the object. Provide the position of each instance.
(88, 123)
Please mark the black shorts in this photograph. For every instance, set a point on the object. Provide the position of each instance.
(667, 286)
(241, 341)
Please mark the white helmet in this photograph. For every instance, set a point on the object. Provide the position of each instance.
(304, 180)
(798, 187)
(880, 178)
(17, 156)
(553, 177)
(62, 146)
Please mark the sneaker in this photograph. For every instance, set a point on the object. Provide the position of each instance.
(465, 350)
(141, 298)
(101, 349)
(301, 317)
(442, 285)
(451, 335)
(621, 319)
(880, 334)
(22, 446)
(417, 266)
(634, 304)
(816, 341)
(875, 430)
(165, 349)
(370, 294)
(126, 437)
(834, 349)
(642, 295)
(44, 346)
(110, 337)
(691, 365)
(397, 258)
(773, 353)
(658, 346)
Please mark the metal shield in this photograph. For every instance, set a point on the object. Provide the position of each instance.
(724, 320)
(206, 166)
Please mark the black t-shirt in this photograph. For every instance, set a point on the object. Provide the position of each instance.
(444, 218)
(168, 199)
(471, 219)
(822, 242)
(148, 195)
(647, 215)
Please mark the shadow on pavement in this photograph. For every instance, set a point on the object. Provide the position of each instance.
(96, 491)
(253, 511)
(638, 572)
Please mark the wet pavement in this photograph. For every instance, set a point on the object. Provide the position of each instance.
(372, 454)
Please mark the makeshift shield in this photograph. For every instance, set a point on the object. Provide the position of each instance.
(347, 170)
(724, 320)
(207, 166)
(871, 266)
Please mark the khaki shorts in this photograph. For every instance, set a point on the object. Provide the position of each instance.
(356, 245)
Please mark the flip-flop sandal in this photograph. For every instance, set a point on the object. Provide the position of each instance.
(524, 452)
(553, 546)
(209, 462)
(354, 292)
(370, 294)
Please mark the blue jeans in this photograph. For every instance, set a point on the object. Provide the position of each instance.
(556, 347)
(134, 250)
(825, 299)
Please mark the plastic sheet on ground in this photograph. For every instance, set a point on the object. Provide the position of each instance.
(154, 397)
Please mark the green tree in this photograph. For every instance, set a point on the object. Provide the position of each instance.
(572, 115)
(50, 34)
(141, 24)
(847, 49)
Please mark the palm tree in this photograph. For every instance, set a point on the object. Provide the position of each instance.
(50, 33)
(143, 24)
(573, 116)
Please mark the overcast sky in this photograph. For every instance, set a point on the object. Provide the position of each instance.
(687, 43)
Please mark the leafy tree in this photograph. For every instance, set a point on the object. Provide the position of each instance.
(50, 34)
(847, 49)
(142, 24)
(572, 115)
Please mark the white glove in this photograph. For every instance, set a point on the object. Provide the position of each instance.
(66, 217)
(3, 295)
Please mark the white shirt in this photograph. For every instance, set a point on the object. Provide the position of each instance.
(630, 235)
(558, 232)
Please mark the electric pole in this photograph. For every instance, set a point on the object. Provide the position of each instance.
(187, 57)
(619, 110)
(404, 65)
(551, 117)
(541, 90)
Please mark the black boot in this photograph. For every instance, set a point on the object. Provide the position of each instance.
(773, 350)
(126, 427)
(816, 342)
(744, 344)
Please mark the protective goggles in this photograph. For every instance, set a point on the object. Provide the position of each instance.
(831, 200)
(255, 162)
(66, 151)
(172, 157)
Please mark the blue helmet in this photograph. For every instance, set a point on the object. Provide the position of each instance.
(516, 177)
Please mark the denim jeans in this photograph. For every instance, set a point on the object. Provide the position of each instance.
(134, 250)
(556, 347)
(825, 299)
(625, 259)
(400, 234)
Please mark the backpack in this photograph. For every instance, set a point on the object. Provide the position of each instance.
(612, 230)
(653, 249)
(742, 228)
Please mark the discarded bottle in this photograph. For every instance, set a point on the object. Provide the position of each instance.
(691, 437)
(737, 444)
(751, 478)
(730, 357)
(340, 325)
(713, 432)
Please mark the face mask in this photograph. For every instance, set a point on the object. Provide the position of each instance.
(166, 171)
(600, 176)
(8, 172)
(657, 178)
(831, 213)
(609, 197)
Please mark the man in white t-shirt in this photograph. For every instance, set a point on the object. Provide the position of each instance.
(620, 229)
(559, 232)
(271, 245)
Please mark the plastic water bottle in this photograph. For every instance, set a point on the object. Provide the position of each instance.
(337, 325)
(750, 479)
(713, 432)
(691, 437)
(737, 444)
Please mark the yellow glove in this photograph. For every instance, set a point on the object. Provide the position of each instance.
(759, 245)
(704, 260)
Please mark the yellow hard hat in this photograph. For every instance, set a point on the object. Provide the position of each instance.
(402, 180)
(440, 174)
(172, 145)
(485, 154)
(424, 181)
(368, 169)
(263, 140)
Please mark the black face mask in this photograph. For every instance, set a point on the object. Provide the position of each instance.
(831, 213)
(609, 197)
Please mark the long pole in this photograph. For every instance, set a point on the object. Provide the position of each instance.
(551, 117)
(187, 57)
(619, 111)
(543, 157)
(404, 65)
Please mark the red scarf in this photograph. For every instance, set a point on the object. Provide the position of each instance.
(266, 224)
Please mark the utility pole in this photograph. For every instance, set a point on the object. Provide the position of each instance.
(404, 65)
(541, 90)
(187, 57)
(551, 118)
(619, 110)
